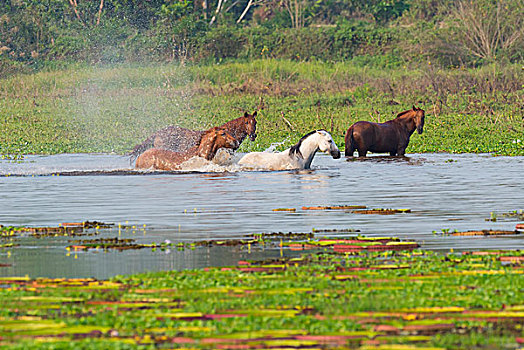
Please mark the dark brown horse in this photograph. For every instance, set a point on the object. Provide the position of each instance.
(175, 138)
(210, 142)
(390, 137)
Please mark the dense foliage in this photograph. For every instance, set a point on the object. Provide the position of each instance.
(324, 63)
(47, 33)
(89, 109)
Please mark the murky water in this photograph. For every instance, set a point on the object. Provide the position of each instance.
(443, 191)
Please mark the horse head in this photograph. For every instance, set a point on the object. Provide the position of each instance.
(418, 118)
(213, 139)
(251, 125)
(326, 144)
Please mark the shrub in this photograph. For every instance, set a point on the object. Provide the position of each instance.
(67, 46)
(220, 43)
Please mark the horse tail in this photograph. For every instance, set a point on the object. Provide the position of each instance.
(141, 148)
(350, 143)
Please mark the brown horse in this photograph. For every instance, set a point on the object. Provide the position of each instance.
(391, 136)
(175, 138)
(210, 142)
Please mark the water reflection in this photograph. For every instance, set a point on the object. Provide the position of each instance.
(444, 192)
(389, 159)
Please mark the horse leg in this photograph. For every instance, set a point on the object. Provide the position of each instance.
(362, 152)
(349, 150)
(349, 147)
(401, 151)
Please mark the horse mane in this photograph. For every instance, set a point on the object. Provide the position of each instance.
(403, 113)
(246, 115)
(415, 110)
(295, 149)
(231, 122)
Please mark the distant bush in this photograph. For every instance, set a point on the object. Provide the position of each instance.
(220, 43)
(371, 32)
(177, 40)
(386, 60)
(67, 46)
(10, 67)
(328, 43)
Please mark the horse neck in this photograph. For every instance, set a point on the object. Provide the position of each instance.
(206, 151)
(185, 155)
(407, 122)
(236, 128)
(192, 151)
(308, 149)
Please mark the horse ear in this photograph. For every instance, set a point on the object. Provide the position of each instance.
(414, 108)
(254, 114)
(246, 114)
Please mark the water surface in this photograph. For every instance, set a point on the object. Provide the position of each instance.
(443, 191)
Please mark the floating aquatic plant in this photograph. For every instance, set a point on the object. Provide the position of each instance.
(344, 301)
(512, 215)
(481, 233)
(335, 207)
(382, 211)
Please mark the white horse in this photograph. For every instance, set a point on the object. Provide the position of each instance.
(298, 156)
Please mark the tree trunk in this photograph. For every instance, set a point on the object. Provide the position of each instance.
(249, 4)
(100, 12)
(74, 4)
(219, 7)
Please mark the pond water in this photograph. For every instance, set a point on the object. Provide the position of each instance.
(443, 191)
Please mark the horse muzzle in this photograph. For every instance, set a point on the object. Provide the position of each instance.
(335, 154)
(252, 137)
(420, 129)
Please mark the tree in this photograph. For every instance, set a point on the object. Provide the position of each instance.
(74, 5)
(487, 28)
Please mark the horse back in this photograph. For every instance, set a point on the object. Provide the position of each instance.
(161, 159)
(176, 138)
(365, 132)
(375, 137)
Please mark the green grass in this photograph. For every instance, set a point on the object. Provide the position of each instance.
(110, 109)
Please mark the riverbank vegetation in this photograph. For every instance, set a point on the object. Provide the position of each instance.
(100, 76)
(37, 34)
(112, 108)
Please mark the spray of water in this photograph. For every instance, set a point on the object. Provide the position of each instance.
(273, 146)
(100, 164)
(114, 108)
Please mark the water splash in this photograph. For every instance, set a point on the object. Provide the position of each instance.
(274, 145)
(88, 164)
(63, 163)
(113, 106)
(224, 161)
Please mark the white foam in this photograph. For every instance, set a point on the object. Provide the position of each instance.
(85, 163)
(224, 161)
(60, 163)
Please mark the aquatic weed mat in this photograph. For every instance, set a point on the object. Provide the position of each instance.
(68, 229)
(364, 300)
